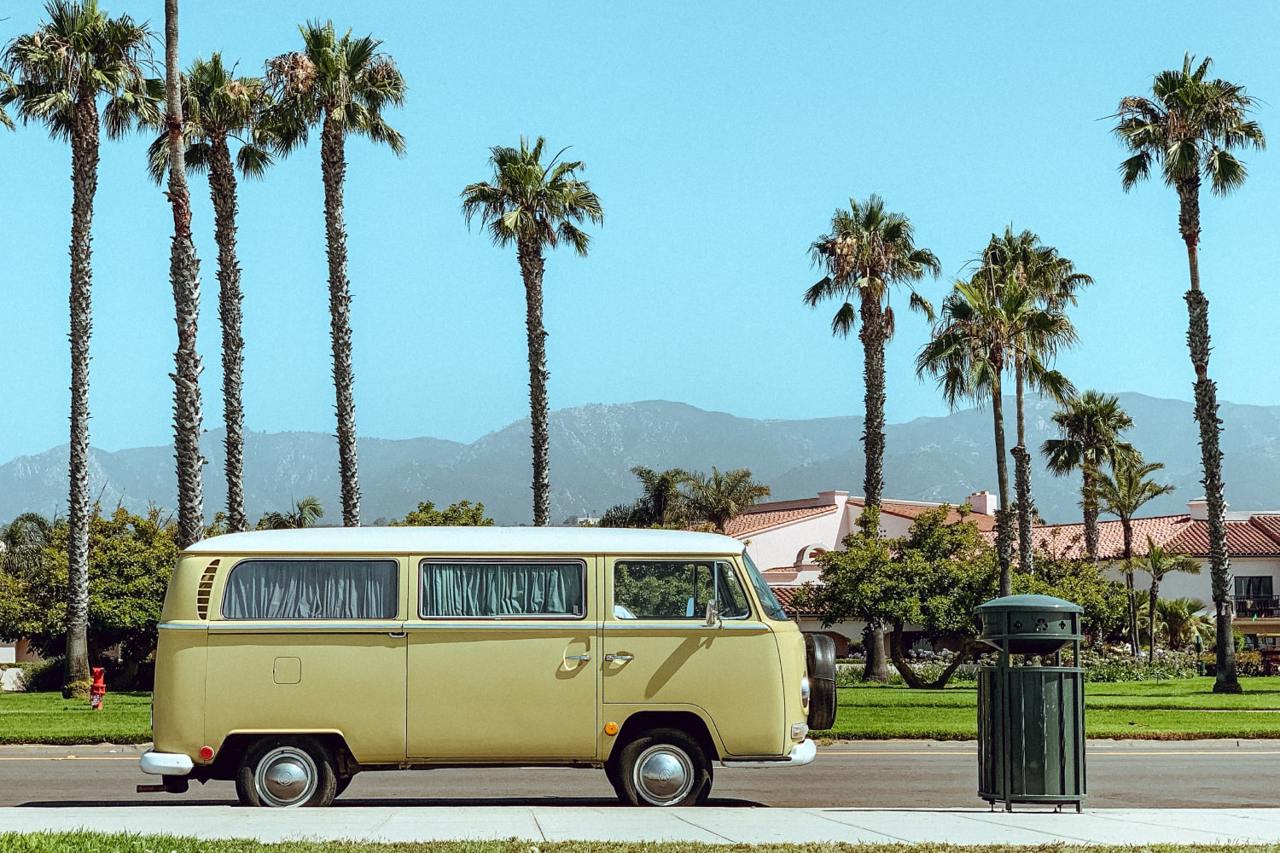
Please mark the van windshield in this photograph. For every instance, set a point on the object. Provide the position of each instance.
(768, 601)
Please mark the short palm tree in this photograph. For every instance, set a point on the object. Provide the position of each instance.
(535, 206)
(1160, 563)
(344, 85)
(79, 73)
(1122, 493)
(220, 109)
(184, 278)
(305, 513)
(987, 325)
(661, 493)
(1190, 128)
(867, 253)
(720, 496)
(1091, 427)
(1184, 621)
(1053, 279)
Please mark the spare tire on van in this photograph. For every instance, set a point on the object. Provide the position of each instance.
(820, 655)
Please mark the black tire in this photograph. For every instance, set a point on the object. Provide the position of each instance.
(344, 782)
(306, 753)
(820, 656)
(691, 786)
(611, 773)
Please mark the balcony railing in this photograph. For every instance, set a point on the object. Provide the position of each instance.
(1257, 606)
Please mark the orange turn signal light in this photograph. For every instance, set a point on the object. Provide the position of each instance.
(611, 728)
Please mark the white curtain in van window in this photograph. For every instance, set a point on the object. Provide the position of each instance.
(502, 589)
(312, 589)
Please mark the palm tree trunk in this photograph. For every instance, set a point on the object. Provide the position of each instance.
(1089, 501)
(333, 164)
(531, 268)
(1126, 525)
(1022, 475)
(872, 335)
(222, 188)
(184, 276)
(1003, 533)
(1206, 396)
(1151, 620)
(84, 185)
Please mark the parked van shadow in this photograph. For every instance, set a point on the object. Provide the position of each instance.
(383, 802)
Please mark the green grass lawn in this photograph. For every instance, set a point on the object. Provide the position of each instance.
(1171, 710)
(72, 842)
(48, 718)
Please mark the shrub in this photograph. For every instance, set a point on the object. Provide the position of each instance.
(1116, 664)
(43, 675)
(1248, 662)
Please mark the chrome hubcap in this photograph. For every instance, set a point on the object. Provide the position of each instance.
(663, 775)
(286, 777)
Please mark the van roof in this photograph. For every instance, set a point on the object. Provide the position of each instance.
(462, 540)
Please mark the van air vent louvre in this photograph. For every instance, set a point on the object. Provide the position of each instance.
(205, 590)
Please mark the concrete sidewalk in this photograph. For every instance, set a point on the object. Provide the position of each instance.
(711, 825)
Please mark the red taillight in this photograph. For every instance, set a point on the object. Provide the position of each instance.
(206, 753)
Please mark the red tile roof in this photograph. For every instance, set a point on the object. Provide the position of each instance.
(754, 522)
(914, 510)
(1257, 536)
(786, 597)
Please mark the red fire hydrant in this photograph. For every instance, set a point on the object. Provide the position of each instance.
(98, 689)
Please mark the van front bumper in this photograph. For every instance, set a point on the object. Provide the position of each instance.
(166, 763)
(801, 754)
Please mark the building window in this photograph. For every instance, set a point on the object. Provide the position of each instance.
(312, 589)
(1253, 586)
(496, 589)
(653, 589)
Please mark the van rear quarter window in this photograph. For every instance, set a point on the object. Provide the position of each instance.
(312, 589)
(496, 589)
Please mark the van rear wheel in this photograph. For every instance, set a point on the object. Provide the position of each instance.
(282, 773)
(663, 767)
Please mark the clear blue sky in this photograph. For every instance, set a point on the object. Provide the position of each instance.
(720, 137)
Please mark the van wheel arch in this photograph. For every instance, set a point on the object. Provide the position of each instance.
(234, 746)
(686, 721)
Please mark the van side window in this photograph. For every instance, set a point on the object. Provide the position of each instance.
(312, 589)
(655, 589)
(494, 589)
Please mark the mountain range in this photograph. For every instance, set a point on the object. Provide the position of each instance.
(593, 448)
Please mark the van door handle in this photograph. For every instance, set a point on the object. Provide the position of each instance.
(397, 635)
(583, 658)
(622, 657)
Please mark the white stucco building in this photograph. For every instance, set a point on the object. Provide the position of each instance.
(784, 537)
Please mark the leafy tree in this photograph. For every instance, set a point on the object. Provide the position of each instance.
(342, 84)
(1082, 582)
(536, 207)
(718, 497)
(218, 109)
(1054, 281)
(1160, 563)
(1091, 427)
(987, 325)
(462, 513)
(77, 58)
(1190, 129)
(131, 557)
(1122, 493)
(305, 513)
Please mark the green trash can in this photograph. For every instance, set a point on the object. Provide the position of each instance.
(1031, 714)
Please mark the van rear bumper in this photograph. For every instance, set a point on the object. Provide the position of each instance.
(801, 754)
(166, 763)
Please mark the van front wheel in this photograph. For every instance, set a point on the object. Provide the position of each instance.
(663, 767)
(282, 773)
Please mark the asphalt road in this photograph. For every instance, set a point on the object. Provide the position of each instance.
(869, 774)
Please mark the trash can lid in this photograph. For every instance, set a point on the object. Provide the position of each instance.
(1030, 602)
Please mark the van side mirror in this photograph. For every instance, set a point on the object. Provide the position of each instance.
(713, 615)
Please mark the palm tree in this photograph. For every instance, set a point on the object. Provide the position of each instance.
(1054, 281)
(1122, 493)
(987, 325)
(1160, 563)
(721, 496)
(867, 253)
(305, 513)
(184, 277)
(1190, 128)
(6, 87)
(661, 493)
(1183, 621)
(536, 207)
(78, 57)
(219, 107)
(342, 84)
(1091, 427)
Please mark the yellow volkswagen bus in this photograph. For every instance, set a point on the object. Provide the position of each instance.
(291, 660)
